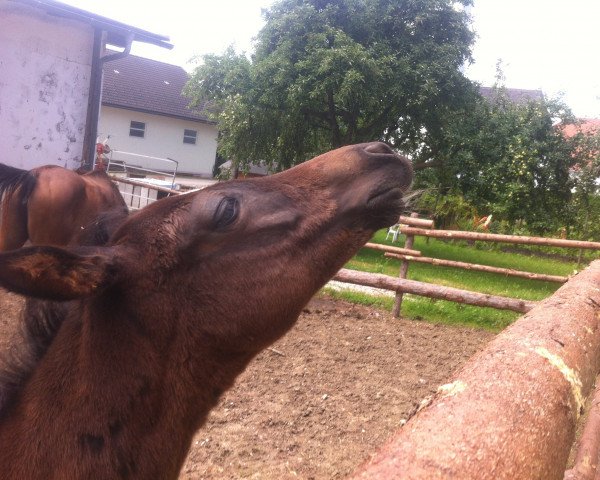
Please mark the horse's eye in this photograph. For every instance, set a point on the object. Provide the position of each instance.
(227, 212)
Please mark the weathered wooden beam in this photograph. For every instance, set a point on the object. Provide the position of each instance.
(479, 268)
(416, 222)
(430, 290)
(585, 466)
(511, 411)
(403, 273)
(388, 248)
(494, 237)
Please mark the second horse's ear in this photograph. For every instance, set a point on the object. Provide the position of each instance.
(53, 273)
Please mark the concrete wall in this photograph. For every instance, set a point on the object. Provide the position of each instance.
(45, 65)
(163, 138)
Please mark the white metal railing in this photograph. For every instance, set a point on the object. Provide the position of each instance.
(139, 178)
(135, 165)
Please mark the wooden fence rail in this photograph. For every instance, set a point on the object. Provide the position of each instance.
(479, 268)
(390, 249)
(494, 237)
(414, 221)
(377, 280)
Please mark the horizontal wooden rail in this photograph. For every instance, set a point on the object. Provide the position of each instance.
(479, 268)
(416, 222)
(390, 249)
(430, 290)
(493, 237)
(511, 412)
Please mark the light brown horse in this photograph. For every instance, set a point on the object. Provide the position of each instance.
(50, 205)
(135, 341)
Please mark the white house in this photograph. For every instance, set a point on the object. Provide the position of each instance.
(144, 112)
(51, 58)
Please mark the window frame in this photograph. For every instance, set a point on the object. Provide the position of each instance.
(138, 127)
(187, 137)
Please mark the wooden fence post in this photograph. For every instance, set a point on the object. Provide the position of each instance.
(408, 244)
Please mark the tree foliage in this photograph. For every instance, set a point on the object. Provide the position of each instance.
(326, 73)
(331, 72)
(585, 205)
(509, 159)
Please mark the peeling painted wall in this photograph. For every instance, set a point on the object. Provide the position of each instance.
(45, 65)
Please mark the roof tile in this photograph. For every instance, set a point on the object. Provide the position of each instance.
(145, 85)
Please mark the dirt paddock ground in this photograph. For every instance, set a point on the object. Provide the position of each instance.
(323, 398)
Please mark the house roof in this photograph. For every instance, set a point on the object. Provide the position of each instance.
(141, 84)
(515, 95)
(117, 32)
(585, 125)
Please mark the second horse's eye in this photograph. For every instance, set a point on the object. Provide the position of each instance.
(227, 212)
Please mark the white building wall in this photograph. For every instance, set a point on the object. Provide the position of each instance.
(163, 138)
(45, 65)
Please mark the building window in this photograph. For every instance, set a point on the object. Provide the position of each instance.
(189, 136)
(137, 129)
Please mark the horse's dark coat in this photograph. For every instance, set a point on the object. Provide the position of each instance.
(131, 344)
(51, 205)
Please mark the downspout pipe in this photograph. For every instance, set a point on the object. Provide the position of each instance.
(95, 96)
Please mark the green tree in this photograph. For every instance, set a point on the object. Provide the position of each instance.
(508, 159)
(331, 72)
(585, 205)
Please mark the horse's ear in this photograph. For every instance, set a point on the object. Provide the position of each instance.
(53, 273)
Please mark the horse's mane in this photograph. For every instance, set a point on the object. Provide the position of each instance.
(40, 322)
(12, 178)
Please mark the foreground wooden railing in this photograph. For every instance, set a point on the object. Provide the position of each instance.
(511, 412)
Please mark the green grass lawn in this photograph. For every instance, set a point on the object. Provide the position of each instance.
(422, 308)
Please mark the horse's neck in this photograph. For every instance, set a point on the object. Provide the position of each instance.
(115, 391)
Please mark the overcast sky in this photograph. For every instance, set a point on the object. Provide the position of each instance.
(552, 45)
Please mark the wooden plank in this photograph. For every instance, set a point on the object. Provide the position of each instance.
(480, 268)
(390, 249)
(588, 452)
(493, 237)
(430, 290)
(408, 244)
(416, 222)
(511, 412)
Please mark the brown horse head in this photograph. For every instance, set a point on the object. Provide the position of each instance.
(51, 205)
(163, 318)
